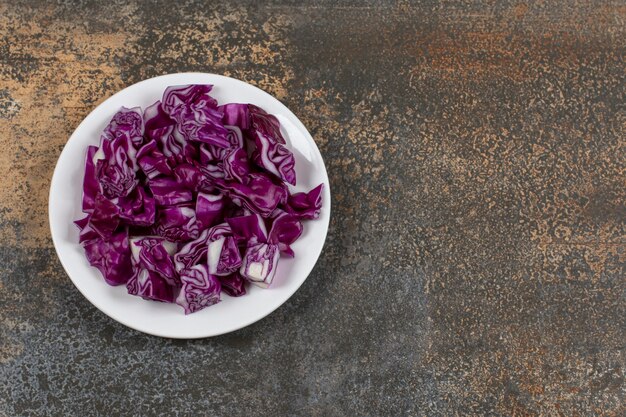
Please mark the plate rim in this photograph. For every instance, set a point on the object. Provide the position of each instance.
(129, 323)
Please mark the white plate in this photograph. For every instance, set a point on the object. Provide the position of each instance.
(169, 320)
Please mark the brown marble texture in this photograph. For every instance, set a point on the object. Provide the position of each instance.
(475, 260)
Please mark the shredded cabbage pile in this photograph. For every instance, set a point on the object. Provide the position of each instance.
(189, 199)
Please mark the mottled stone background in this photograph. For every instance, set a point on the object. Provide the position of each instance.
(475, 261)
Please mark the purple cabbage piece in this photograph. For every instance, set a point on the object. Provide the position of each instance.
(152, 161)
(235, 165)
(199, 289)
(271, 152)
(204, 126)
(275, 158)
(233, 210)
(232, 162)
(138, 209)
(161, 128)
(86, 231)
(177, 223)
(236, 114)
(214, 253)
(175, 160)
(196, 113)
(188, 176)
(112, 257)
(155, 255)
(115, 161)
(116, 170)
(170, 141)
(82, 223)
(223, 257)
(211, 174)
(91, 187)
(156, 119)
(306, 205)
(178, 98)
(192, 253)
(250, 228)
(285, 195)
(127, 123)
(259, 264)
(233, 284)
(209, 209)
(168, 192)
(259, 194)
(195, 251)
(285, 230)
(217, 231)
(104, 219)
(235, 137)
(151, 286)
(267, 124)
(211, 154)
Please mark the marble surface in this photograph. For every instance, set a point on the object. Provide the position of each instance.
(475, 260)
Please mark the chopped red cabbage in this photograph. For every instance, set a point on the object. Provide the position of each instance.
(150, 286)
(250, 228)
(198, 117)
(286, 229)
(177, 223)
(152, 161)
(179, 199)
(209, 209)
(167, 191)
(105, 217)
(233, 284)
(259, 264)
(91, 187)
(199, 289)
(127, 123)
(275, 158)
(195, 251)
(155, 254)
(137, 209)
(306, 205)
(259, 194)
(111, 256)
(115, 161)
